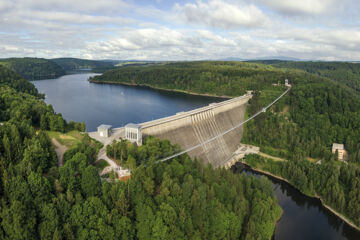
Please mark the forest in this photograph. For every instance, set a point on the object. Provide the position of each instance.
(179, 199)
(71, 64)
(301, 128)
(343, 72)
(217, 78)
(33, 68)
(40, 68)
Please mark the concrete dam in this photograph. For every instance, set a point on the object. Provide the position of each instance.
(188, 129)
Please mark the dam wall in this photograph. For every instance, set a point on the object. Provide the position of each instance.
(194, 127)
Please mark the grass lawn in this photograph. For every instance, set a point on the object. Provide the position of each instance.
(69, 139)
(276, 159)
(313, 160)
(101, 164)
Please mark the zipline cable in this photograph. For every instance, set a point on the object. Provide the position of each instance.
(227, 131)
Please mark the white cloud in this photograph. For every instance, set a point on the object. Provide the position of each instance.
(300, 6)
(220, 14)
(5, 5)
(162, 44)
(79, 6)
(207, 29)
(73, 18)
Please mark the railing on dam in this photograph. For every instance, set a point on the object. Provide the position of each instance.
(192, 112)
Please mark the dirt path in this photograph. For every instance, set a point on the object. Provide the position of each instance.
(272, 157)
(60, 150)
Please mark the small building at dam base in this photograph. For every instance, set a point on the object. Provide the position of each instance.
(104, 130)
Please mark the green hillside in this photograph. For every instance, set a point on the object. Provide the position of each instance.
(219, 78)
(71, 64)
(33, 68)
(343, 72)
(13, 80)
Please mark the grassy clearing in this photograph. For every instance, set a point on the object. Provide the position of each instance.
(263, 163)
(276, 159)
(312, 160)
(70, 139)
(101, 164)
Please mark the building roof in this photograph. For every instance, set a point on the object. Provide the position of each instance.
(338, 146)
(133, 125)
(104, 126)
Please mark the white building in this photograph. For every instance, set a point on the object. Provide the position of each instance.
(104, 130)
(287, 83)
(133, 133)
(341, 150)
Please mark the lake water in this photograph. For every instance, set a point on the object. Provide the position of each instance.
(72, 95)
(117, 105)
(304, 218)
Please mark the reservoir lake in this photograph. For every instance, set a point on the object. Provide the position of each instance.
(79, 100)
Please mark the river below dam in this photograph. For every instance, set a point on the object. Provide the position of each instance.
(303, 217)
(77, 99)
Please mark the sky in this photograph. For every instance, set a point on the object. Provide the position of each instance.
(181, 29)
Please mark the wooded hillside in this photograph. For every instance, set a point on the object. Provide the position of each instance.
(70, 64)
(179, 199)
(33, 68)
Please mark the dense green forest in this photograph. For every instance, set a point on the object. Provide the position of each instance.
(219, 78)
(33, 68)
(179, 199)
(71, 64)
(316, 113)
(13, 80)
(342, 72)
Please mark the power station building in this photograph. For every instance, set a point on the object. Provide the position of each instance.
(104, 130)
(133, 133)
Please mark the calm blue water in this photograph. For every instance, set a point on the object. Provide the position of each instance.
(117, 105)
(72, 95)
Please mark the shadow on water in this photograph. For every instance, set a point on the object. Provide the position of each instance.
(303, 217)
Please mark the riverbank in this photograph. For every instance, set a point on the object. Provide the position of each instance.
(339, 215)
(161, 89)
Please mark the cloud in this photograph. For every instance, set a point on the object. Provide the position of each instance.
(73, 18)
(300, 7)
(189, 30)
(5, 5)
(161, 44)
(220, 14)
(79, 6)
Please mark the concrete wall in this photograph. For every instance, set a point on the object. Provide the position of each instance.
(191, 128)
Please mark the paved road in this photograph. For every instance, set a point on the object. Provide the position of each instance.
(115, 135)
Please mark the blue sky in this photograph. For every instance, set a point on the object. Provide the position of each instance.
(180, 29)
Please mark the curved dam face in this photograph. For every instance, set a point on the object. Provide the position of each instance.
(194, 127)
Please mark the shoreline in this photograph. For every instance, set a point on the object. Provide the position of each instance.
(339, 215)
(162, 89)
